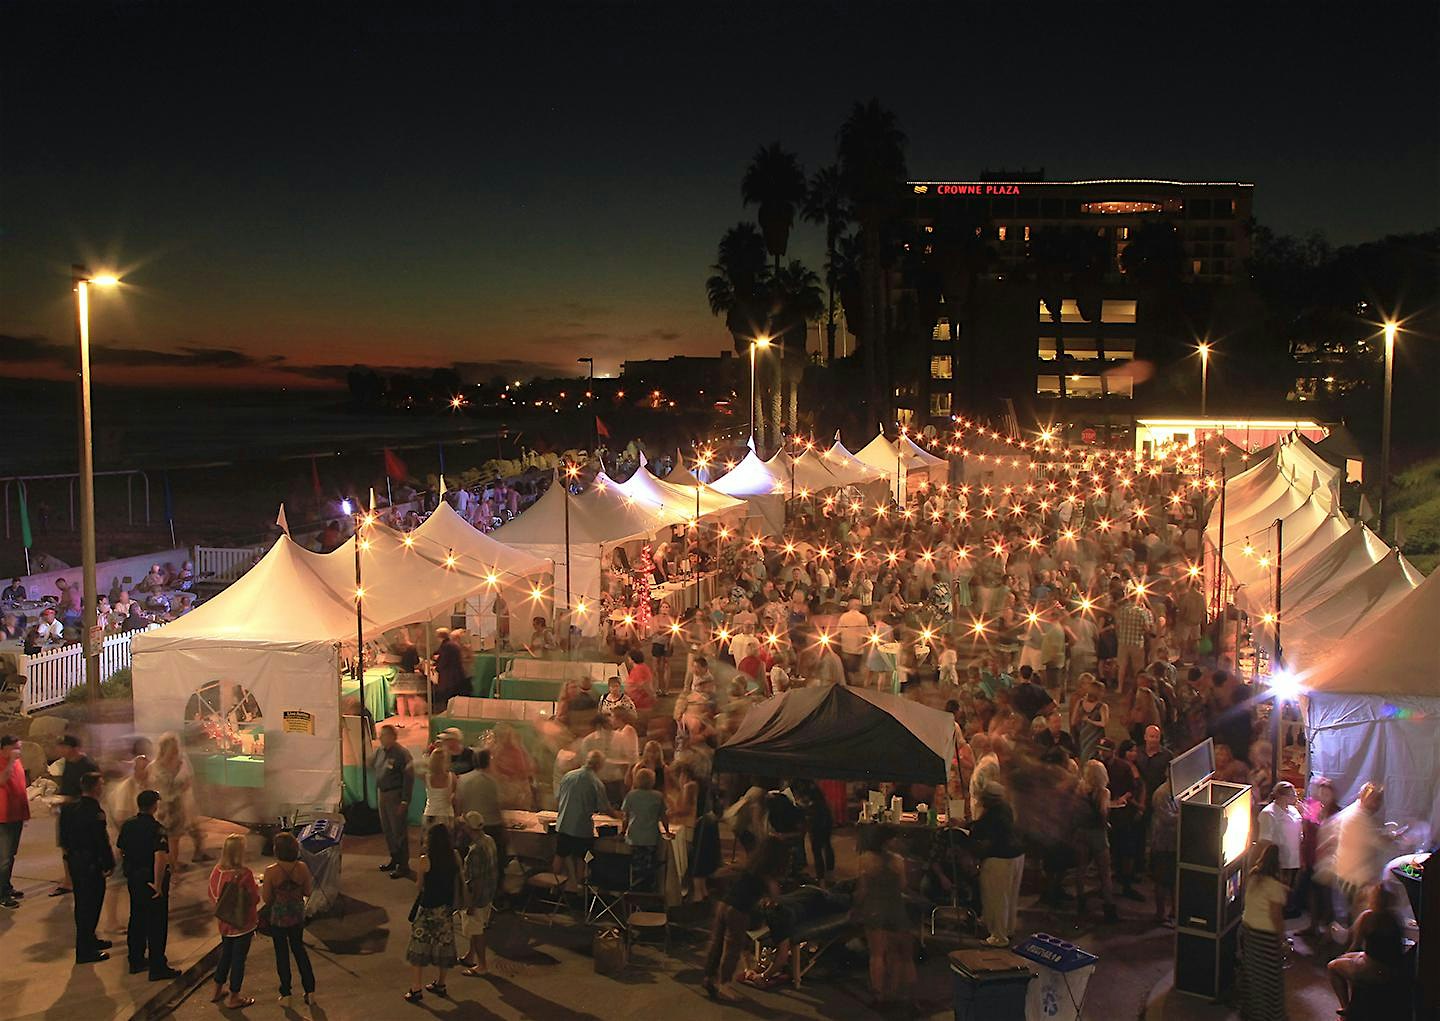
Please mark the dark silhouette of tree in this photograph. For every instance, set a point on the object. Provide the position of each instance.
(826, 205)
(775, 182)
(871, 151)
(738, 284)
(795, 301)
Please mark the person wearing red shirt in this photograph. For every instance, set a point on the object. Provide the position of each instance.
(640, 682)
(14, 811)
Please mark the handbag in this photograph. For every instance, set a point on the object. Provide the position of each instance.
(262, 920)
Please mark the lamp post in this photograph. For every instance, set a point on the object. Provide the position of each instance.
(758, 343)
(590, 392)
(82, 281)
(572, 472)
(1390, 329)
(1204, 376)
(702, 462)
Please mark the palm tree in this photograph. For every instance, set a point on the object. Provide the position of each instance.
(825, 204)
(775, 182)
(738, 285)
(871, 151)
(795, 302)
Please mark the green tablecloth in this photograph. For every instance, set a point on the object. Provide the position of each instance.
(487, 667)
(379, 700)
(230, 770)
(530, 689)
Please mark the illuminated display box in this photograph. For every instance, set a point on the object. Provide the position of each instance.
(1214, 836)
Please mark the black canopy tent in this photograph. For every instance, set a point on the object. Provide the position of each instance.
(840, 733)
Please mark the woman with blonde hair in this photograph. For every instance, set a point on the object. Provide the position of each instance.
(236, 897)
(439, 790)
(1092, 838)
(1262, 935)
(174, 780)
(1089, 716)
(653, 759)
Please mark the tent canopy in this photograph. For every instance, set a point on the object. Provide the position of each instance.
(601, 514)
(1398, 653)
(835, 732)
(445, 530)
(1346, 559)
(845, 465)
(683, 500)
(1323, 622)
(754, 477)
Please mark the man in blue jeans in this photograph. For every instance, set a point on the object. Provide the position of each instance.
(14, 811)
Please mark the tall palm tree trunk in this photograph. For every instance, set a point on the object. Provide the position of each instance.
(830, 300)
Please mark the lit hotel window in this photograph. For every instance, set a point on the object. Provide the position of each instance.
(1112, 208)
(1027, 232)
(1117, 312)
(1124, 233)
(940, 404)
(941, 330)
(1047, 349)
(1000, 233)
(1195, 266)
(1069, 312)
(941, 367)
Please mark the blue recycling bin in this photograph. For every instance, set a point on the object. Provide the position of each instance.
(990, 985)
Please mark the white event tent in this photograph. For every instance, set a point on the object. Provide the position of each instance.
(763, 485)
(1373, 707)
(687, 501)
(601, 517)
(270, 644)
(1322, 621)
(918, 465)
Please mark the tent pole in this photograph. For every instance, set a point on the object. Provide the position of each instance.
(360, 663)
(1279, 663)
(430, 685)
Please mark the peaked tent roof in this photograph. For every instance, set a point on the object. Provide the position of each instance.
(1300, 525)
(753, 477)
(880, 453)
(1363, 599)
(810, 473)
(675, 499)
(1300, 456)
(840, 457)
(835, 732)
(1278, 499)
(1346, 559)
(598, 515)
(679, 474)
(918, 454)
(445, 530)
(1397, 653)
(295, 596)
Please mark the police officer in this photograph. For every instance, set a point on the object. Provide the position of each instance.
(147, 861)
(86, 845)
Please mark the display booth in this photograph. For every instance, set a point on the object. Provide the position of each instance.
(1210, 880)
(250, 680)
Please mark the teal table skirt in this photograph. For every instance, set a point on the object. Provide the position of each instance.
(350, 780)
(530, 689)
(487, 667)
(230, 770)
(379, 698)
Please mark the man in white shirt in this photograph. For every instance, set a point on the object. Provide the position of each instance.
(1361, 847)
(48, 630)
(852, 629)
(1280, 824)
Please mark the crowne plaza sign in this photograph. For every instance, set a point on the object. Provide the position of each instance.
(977, 189)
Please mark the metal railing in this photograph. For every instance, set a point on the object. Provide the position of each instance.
(51, 673)
(225, 563)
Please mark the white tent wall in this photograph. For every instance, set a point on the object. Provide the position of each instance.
(585, 564)
(301, 760)
(1394, 739)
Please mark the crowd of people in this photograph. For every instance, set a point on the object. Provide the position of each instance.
(44, 620)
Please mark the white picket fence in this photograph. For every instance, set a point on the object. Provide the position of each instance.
(225, 563)
(53, 672)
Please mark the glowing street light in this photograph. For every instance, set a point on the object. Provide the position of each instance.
(82, 280)
(1204, 350)
(1390, 330)
(760, 343)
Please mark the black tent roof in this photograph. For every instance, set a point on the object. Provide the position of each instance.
(834, 732)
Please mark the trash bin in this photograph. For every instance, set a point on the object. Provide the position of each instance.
(320, 851)
(1063, 972)
(990, 985)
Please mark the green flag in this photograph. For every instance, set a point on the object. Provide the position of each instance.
(26, 539)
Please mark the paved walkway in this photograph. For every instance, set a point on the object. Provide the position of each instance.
(41, 978)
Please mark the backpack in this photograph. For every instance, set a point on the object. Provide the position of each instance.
(233, 905)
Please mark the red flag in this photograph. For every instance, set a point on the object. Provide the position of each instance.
(315, 478)
(600, 429)
(394, 467)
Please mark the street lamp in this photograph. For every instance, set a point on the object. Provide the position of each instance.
(83, 280)
(760, 343)
(594, 425)
(1390, 330)
(1204, 375)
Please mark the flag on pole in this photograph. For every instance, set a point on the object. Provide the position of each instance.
(169, 507)
(26, 538)
(442, 457)
(1367, 512)
(600, 427)
(315, 477)
(394, 467)
(280, 520)
(442, 485)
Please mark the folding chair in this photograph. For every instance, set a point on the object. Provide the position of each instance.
(548, 888)
(607, 881)
(646, 913)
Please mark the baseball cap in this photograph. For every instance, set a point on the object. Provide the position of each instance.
(474, 820)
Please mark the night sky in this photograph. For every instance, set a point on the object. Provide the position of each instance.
(517, 186)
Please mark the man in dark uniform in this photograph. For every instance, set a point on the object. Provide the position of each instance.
(146, 859)
(86, 845)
